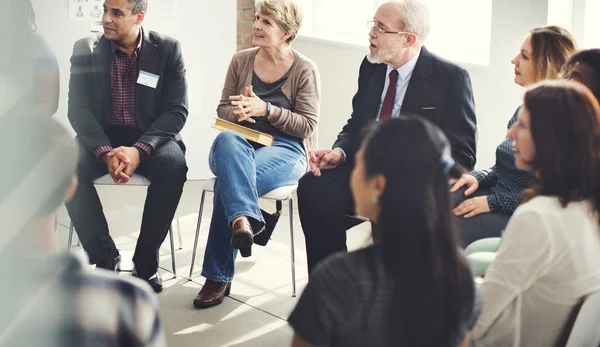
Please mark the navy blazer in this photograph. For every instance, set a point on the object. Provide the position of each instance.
(439, 91)
(160, 113)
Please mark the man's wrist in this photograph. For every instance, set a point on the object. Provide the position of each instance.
(102, 151)
(140, 152)
(144, 149)
(343, 153)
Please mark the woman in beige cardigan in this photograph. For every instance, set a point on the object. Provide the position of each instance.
(273, 89)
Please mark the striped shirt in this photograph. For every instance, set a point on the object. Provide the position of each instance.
(67, 305)
(347, 300)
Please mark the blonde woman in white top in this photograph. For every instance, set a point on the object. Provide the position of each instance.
(550, 253)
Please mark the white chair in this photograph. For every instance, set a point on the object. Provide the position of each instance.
(586, 328)
(280, 194)
(135, 181)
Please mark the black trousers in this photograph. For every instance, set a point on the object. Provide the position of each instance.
(481, 226)
(165, 168)
(325, 205)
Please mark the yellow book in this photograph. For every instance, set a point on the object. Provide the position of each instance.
(249, 134)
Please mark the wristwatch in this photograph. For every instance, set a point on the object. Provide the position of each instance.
(268, 109)
(141, 152)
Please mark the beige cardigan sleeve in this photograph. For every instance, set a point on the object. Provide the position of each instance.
(225, 109)
(302, 121)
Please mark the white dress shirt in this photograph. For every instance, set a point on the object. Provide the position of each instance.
(404, 73)
(548, 260)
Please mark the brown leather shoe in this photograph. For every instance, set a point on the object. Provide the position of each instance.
(243, 237)
(212, 294)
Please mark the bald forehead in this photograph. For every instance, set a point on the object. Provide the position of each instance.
(388, 16)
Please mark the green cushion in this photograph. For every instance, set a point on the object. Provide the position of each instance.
(480, 261)
(484, 245)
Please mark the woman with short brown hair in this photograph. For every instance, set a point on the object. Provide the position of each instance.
(549, 255)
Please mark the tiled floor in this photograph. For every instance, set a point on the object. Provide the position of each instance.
(261, 297)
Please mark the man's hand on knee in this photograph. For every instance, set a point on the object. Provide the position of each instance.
(323, 159)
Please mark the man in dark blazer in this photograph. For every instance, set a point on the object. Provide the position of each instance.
(127, 104)
(399, 75)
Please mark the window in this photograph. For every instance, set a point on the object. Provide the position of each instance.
(592, 24)
(162, 16)
(452, 22)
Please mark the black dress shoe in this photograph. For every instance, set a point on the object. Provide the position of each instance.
(155, 281)
(111, 264)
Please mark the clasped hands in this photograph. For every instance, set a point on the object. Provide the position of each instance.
(122, 163)
(248, 105)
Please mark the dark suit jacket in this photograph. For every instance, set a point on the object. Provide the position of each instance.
(435, 83)
(160, 113)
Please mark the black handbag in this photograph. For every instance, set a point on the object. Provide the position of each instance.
(270, 223)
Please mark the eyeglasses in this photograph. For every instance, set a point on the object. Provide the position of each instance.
(371, 25)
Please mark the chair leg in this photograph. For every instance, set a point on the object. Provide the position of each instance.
(70, 237)
(197, 232)
(292, 254)
(179, 233)
(172, 252)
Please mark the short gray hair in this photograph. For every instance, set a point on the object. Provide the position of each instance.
(138, 6)
(414, 18)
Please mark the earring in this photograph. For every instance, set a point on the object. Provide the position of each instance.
(375, 199)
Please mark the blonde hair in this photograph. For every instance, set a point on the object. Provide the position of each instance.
(551, 48)
(287, 13)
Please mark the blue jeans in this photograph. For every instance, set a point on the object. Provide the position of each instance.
(244, 172)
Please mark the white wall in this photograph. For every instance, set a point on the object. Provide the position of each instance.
(496, 95)
(207, 32)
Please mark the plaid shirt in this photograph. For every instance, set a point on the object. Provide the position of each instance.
(123, 78)
(54, 301)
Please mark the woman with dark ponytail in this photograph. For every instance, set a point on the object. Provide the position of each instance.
(412, 287)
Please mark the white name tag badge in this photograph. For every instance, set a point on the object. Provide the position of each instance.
(148, 79)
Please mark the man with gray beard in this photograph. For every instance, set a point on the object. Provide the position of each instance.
(399, 75)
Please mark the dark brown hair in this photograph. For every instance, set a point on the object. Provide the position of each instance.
(422, 254)
(565, 128)
(590, 57)
(551, 47)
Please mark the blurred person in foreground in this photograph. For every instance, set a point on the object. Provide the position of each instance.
(48, 297)
(29, 72)
(413, 287)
